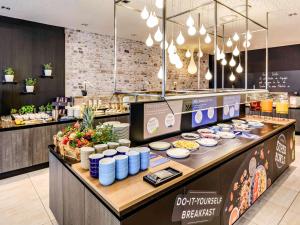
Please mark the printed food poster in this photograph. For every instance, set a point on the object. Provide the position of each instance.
(251, 180)
(204, 111)
(162, 118)
(231, 106)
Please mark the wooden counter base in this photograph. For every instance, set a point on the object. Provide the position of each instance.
(75, 198)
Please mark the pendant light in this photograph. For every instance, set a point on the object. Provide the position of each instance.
(239, 69)
(192, 31)
(188, 54)
(229, 43)
(246, 44)
(171, 48)
(218, 54)
(158, 35)
(224, 62)
(159, 4)
(192, 68)
(222, 55)
(200, 53)
(180, 39)
(248, 36)
(179, 63)
(172, 58)
(152, 21)
(236, 37)
(166, 45)
(190, 21)
(232, 77)
(149, 41)
(208, 75)
(207, 39)
(145, 13)
(232, 62)
(202, 30)
(236, 51)
(160, 73)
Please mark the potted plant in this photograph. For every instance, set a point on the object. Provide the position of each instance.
(9, 74)
(42, 108)
(48, 69)
(48, 108)
(30, 82)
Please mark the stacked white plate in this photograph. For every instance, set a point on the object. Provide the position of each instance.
(121, 130)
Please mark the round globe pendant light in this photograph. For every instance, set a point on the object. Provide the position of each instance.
(149, 41)
(207, 39)
(192, 68)
(229, 43)
(145, 13)
(232, 77)
(158, 35)
(236, 51)
(208, 75)
(232, 62)
(192, 31)
(188, 54)
(202, 30)
(236, 37)
(180, 39)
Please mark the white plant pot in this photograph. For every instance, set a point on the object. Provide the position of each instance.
(48, 73)
(9, 78)
(29, 89)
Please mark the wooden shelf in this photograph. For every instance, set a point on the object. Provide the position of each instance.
(4, 82)
(27, 93)
(49, 77)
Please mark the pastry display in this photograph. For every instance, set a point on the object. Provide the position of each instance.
(190, 145)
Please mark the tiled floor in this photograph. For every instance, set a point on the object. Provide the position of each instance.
(24, 200)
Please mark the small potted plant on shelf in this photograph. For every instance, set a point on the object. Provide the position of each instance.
(48, 108)
(30, 83)
(42, 108)
(48, 70)
(9, 74)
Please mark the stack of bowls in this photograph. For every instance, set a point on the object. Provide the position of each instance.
(113, 145)
(122, 130)
(124, 142)
(122, 150)
(110, 153)
(85, 152)
(101, 147)
(145, 157)
(94, 164)
(121, 166)
(134, 162)
(107, 171)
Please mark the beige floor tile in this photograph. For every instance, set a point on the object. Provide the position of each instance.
(45, 203)
(244, 221)
(265, 212)
(54, 222)
(40, 181)
(290, 218)
(295, 207)
(29, 213)
(280, 195)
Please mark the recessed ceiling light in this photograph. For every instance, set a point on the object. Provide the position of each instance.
(293, 14)
(5, 7)
(133, 35)
(84, 24)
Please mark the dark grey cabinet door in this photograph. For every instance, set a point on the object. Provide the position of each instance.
(16, 150)
(73, 198)
(56, 188)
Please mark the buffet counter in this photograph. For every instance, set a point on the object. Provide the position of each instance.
(220, 175)
(25, 147)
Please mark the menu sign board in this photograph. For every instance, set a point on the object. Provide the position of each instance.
(231, 106)
(281, 151)
(204, 111)
(196, 207)
(162, 118)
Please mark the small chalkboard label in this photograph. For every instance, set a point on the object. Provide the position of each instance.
(196, 207)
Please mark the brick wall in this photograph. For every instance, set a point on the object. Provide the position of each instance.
(89, 57)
